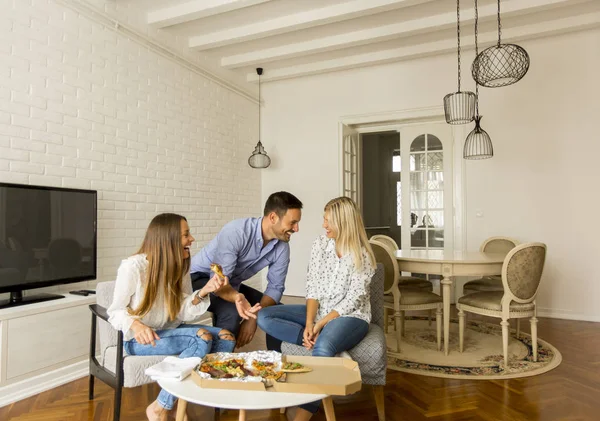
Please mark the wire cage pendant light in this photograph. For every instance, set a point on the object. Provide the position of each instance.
(478, 144)
(459, 107)
(501, 64)
(259, 158)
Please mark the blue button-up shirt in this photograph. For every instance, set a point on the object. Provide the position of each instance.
(238, 248)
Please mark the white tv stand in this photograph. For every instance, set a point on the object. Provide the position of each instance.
(43, 345)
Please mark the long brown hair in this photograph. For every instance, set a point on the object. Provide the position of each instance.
(166, 264)
(345, 219)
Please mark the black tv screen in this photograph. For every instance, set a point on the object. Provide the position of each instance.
(47, 236)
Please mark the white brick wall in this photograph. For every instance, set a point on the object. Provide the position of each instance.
(82, 106)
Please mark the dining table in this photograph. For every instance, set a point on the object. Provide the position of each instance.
(449, 264)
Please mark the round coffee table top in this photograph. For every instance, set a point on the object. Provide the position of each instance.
(234, 399)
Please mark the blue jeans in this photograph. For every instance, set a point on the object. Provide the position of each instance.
(185, 342)
(287, 323)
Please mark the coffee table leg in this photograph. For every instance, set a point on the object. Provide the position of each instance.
(181, 406)
(242, 415)
(328, 405)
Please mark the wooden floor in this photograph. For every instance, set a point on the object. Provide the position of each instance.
(570, 392)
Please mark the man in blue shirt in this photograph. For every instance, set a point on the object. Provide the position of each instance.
(243, 247)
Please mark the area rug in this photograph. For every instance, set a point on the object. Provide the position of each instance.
(482, 357)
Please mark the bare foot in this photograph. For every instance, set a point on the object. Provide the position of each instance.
(155, 412)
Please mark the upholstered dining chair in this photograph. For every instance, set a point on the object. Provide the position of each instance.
(399, 299)
(521, 276)
(371, 352)
(403, 281)
(490, 283)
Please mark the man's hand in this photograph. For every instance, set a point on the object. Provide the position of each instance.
(245, 310)
(143, 334)
(246, 333)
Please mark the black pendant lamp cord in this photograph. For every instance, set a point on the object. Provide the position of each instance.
(499, 25)
(458, 38)
(259, 71)
(476, 55)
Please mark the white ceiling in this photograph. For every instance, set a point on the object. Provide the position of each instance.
(294, 38)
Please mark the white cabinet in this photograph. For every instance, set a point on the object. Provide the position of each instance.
(43, 344)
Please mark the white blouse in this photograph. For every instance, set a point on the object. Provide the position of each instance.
(129, 292)
(336, 283)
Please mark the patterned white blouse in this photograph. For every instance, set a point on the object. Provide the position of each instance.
(129, 291)
(336, 283)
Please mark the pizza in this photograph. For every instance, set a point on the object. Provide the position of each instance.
(217, 269)
(266, 370)
(226, 369)
(291, 367)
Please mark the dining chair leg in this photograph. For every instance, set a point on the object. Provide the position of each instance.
(461, 329)
(534, 344)
(518, 328)
(398, 329)
(386, 320)
(438, 323)
(282, 410)
(242, 415)
(505, 326)
(402, 331)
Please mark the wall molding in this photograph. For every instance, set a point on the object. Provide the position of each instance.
(38, 384)
(566, 315)
(101, 17)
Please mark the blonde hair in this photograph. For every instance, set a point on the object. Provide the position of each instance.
(166, 264)
(344, 217)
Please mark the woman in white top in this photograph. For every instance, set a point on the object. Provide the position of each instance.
(153, 298)
(338, 311)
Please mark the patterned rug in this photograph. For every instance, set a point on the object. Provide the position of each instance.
(482, 356)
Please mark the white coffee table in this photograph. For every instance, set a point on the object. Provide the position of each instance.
(188, 391)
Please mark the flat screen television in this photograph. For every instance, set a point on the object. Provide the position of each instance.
(47, 237)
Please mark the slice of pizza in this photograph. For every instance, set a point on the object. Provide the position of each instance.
(292, 367)
(217, 269)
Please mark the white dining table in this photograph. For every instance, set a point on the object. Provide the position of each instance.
(448, 264)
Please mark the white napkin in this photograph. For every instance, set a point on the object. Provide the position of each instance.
(173, 368)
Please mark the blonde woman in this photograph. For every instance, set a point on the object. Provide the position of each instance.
(338, 311)
(153, 298)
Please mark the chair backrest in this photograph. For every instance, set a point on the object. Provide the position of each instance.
(522, 271)
(385, 256)
(498, 245)
(376, 292)
(104, 297)
(388, 241)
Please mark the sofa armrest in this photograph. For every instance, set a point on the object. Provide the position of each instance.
(99, 311)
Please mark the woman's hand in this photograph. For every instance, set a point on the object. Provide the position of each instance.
(307, 340)
(143, 334)
(214, 284)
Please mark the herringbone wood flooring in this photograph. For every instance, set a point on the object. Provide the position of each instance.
(570, 392)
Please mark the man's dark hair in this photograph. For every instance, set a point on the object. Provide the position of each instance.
(280, 202)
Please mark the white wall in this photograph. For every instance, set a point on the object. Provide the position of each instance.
(83, 106)
(541, 185)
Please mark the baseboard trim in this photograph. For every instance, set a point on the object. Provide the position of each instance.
(566, 314)
(17, 391)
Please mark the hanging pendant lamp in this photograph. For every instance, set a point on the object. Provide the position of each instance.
(459, 107)
(501, 64)
(478, 144)
(259, 158)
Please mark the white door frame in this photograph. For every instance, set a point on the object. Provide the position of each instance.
(392, 120)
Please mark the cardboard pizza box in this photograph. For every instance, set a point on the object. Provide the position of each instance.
(330, 375)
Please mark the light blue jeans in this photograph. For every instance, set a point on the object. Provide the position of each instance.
(185, 342)
(287, 323)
